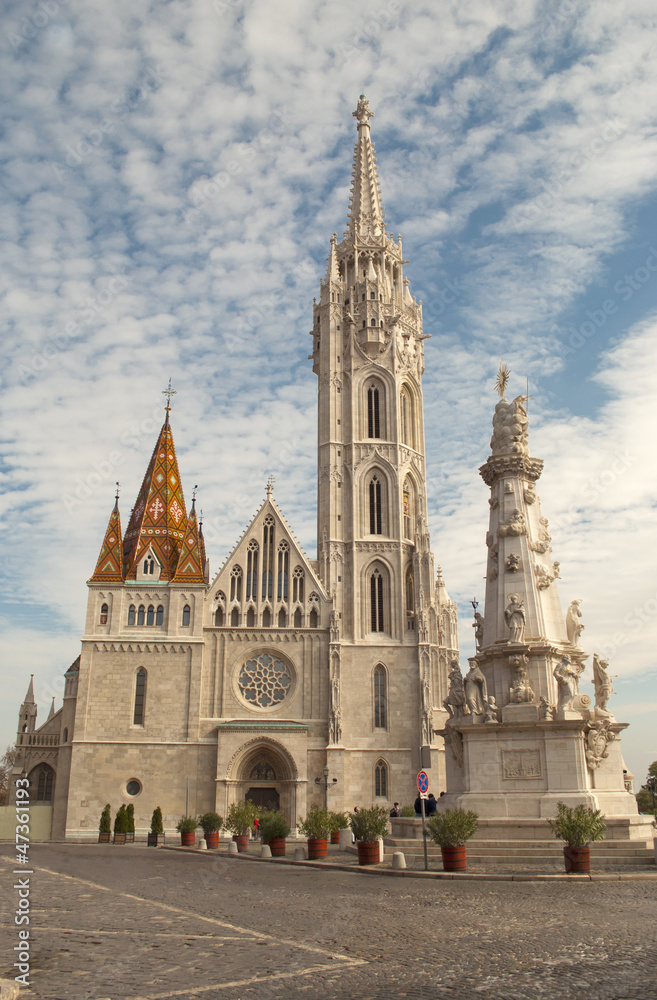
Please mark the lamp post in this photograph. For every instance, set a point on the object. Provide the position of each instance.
(325, 781)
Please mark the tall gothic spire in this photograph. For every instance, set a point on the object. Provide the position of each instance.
(109, 568)
(191, 564)
(159, 517)
(366, 213)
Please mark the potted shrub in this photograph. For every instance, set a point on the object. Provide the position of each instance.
(408, 812)
(211, 823)
(187, 829)
(240, 821)
(130, 823)
(120, 826)
(369, 826)
(578, 827)
(337, 822)
(105, 826)
(451, 829)
(315, 828)
(157, 829)
(274, 828)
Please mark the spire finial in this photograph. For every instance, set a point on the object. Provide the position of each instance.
(363, 112)
(116, 495)
(270, 487)
(194, 492)
(168, 392)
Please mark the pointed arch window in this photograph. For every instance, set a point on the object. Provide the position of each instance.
(380, 697)
(374, 401)
(250, 617)
(104, 614)
(140, 698)
(150, 615)
(234, 618)
(187, 615)
(381, 780)
(406, 417)
(252, 570)
(297, 586)
(219, 617)
(376, 601)
(266, 618)
(141, 615)
(45, 783)
(313, 618)
(268, 557)
(159, 615)
(131, 614)
(236, 583)
(375, 508)
(282, 618)
(65, 736)
(410, 600)
(283, 570)
(297, 618)
(408, 509)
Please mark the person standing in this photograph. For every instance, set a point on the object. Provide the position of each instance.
(395, 811)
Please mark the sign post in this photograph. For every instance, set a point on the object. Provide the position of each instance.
(422, 786)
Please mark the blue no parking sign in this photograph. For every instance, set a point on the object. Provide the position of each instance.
(422, 782)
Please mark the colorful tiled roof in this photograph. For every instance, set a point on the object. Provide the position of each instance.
(191, 562)
(109, 568)
(159, 517)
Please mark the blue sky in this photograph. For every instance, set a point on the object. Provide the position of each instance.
(173, 174)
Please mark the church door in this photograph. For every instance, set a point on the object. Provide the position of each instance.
(266, 798)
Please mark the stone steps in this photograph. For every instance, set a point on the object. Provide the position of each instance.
(606, 854)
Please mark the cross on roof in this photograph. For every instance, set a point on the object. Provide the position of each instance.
(270, 486)
(168, 392)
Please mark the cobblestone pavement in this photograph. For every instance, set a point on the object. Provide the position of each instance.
(128, 923)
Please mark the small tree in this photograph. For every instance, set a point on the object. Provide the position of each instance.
(187, 824)
(241, 818)
(579, 826)
(273, 825)
(130, 818)
(369, 825)
(210, 822)
(316, 824)
(156, 821)
(121, 821)
(453, 827)
(105, 825)
(338, 821)
(6, 769)
(645, 799)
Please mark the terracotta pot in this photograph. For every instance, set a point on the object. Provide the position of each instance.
(104, 838)
(317, 849)
(119, 838)
(242, 841)
(155, 838)
(368, 854)
(577, 860)
(335, 837)
(212, 839)
(454, 859)
(277, 845)
(188, 839)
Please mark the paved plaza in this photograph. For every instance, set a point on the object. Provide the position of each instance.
(128, 923)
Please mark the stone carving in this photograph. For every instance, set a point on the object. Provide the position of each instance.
(521, 764)
(567, 678)
(476, 691)
(520, 692)
(510, 425)
(265, 681)
(493, 502)
(335, 626)
(427, 709)
(335, 727)
(508, 487)
(514, 524)
(544, 537)
(454, 741)
(596, 737)
(603, 688)
(490, 715)
(478, 626)
(530, 493)
(545, 576)
(513, 563)
(455, 700)
(545, 709)
(515, 618)
(574, 625)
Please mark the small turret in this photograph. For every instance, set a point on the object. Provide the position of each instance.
(109, 568)
(28, 713)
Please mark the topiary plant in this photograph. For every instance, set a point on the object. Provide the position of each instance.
(579, 826)
(316, 824)
(130, 818)
(272, 825)
(156, 821)
(210, 822)
(369, 825)
(453, 827)
(105, 825)
(121, 821)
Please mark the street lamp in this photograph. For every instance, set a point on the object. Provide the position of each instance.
(325, 781)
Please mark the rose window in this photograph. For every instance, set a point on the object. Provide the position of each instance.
(265, 681)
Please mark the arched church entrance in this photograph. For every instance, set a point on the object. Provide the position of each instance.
(264, 773)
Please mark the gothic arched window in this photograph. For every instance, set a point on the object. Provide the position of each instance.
(282, 618)
(150, 615)
(408, 509)
(381, 779)
(313, 618)
(219, 617)
(234, 618)
(252, 570)
(297, 586)
(250, 617)
(376, 601)
(283, 570)
(159, 615)
(141, 615)
(410, 599)
(44, 783)
(186, 615)
(268, 557)
(104, 612)
(131, 614)
(140, 698)
(65, 736)
(297, 618)
(375, 508)
(375, 410)
(406, 417)
(380, 697)
(266, 618)
(236, 583)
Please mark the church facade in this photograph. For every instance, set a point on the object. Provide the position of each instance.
(280, 675)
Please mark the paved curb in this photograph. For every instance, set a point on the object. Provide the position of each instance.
(406, 873)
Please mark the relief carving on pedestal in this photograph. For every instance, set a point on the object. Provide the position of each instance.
(521, 764)
(596, 737)
(514, 524)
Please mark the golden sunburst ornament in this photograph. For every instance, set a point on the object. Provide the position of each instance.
(501, 379)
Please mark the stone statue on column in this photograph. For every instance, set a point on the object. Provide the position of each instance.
(455, 700)
(567, 680)
(476, 691)
(515, 617)
(574, 625)
(603, 688)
